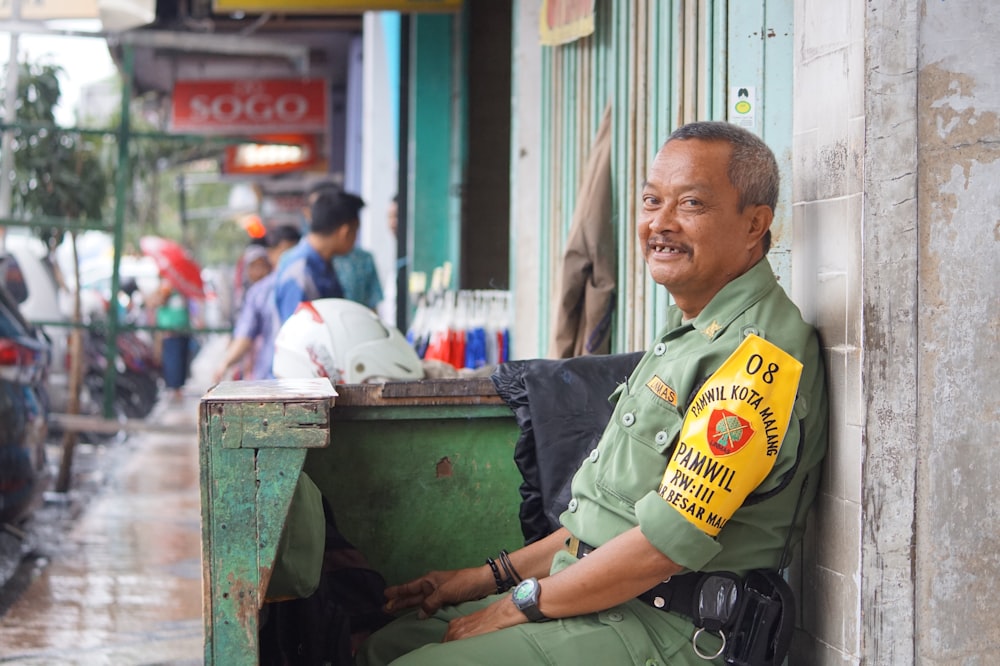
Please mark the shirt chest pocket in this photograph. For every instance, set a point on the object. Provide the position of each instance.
(648, 419)
(645, 430)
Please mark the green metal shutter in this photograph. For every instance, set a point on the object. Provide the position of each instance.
(661, 64)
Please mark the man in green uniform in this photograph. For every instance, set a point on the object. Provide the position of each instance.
(709, 462)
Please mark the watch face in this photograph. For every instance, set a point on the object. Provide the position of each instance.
(523, 591)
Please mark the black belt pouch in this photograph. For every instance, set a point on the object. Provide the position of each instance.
(763, 631)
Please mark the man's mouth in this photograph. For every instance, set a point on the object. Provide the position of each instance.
(664, 248)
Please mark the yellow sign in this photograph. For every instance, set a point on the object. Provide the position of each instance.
(334, 6)
(564, 21)
(732, 433)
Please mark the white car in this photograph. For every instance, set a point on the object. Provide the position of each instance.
(42, 303)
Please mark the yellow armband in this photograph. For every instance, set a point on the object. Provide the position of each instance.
(731, 434)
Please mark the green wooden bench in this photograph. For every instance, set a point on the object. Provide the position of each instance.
(420, 474)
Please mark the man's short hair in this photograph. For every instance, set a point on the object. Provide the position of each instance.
(254, 252)
(753, 170)
(285, 233)
(333, 209)
(320, 186)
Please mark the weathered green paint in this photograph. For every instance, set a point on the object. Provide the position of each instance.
(245, 493)
(429, 484)
(416, 494)
(229, 553)
(432, 213)
(253, 425)
(277, 474)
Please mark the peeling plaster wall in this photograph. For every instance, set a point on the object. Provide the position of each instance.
(930, 320)
(958, 328)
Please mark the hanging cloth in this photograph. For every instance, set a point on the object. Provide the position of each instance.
(587, 295)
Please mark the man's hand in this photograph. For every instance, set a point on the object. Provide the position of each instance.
(499, 615)
(436, 589)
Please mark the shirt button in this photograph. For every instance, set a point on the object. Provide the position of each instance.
(573, 504)
(652, 662)
(594, 455)
(659, 602)
(615, 616)
(659, 349)
(661, 437)
(628, 419)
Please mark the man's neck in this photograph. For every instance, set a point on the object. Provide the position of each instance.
(320, 243)
(692, 308)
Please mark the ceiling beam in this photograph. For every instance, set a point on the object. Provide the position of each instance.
(189, 42)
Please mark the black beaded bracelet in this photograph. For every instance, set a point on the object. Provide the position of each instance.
(496, 575)
(508, 568)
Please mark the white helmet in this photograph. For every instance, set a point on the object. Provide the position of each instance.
(345, 341)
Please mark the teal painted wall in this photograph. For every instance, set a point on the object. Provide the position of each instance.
(435, 143)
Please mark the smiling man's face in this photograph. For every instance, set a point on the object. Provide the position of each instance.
(693, 235)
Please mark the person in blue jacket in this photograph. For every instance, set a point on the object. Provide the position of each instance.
(306, 273)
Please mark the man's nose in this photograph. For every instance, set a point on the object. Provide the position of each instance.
(663, 219)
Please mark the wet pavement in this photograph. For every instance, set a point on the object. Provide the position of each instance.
(123, 584)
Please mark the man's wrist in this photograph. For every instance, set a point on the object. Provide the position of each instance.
(525, 598)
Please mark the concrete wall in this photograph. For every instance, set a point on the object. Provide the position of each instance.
(957, 539)
(378, 177)
(890, 363)
(827, 206)
(897, 145)
(525, 166)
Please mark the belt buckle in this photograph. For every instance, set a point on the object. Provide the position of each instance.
(574, 546)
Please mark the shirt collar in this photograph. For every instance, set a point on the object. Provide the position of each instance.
(729, 303)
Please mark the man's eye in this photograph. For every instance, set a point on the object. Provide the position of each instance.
(690, 203)
(648, 200)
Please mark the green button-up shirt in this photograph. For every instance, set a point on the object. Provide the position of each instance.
(615, 488)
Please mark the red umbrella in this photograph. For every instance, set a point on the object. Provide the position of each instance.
(175, 264)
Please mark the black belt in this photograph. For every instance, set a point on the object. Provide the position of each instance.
(676, 594)
(753, 612)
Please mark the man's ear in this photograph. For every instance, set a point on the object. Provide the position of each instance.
(342, 233)
(761, 217)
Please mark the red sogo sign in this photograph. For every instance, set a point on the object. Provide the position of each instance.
(249, 106)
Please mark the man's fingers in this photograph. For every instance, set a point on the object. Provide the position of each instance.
(408, 595)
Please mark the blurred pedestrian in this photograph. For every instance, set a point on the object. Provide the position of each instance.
(257, 323)
(173, 321)
(356, 270)
(242, 276)
(306, 272)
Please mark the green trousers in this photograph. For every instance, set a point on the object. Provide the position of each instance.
(632, 633)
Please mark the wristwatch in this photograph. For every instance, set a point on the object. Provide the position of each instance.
(525, 597)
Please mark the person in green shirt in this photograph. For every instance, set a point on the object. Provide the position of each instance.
(173, 318)
(708, 464)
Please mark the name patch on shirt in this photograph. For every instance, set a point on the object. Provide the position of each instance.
(662, 391)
